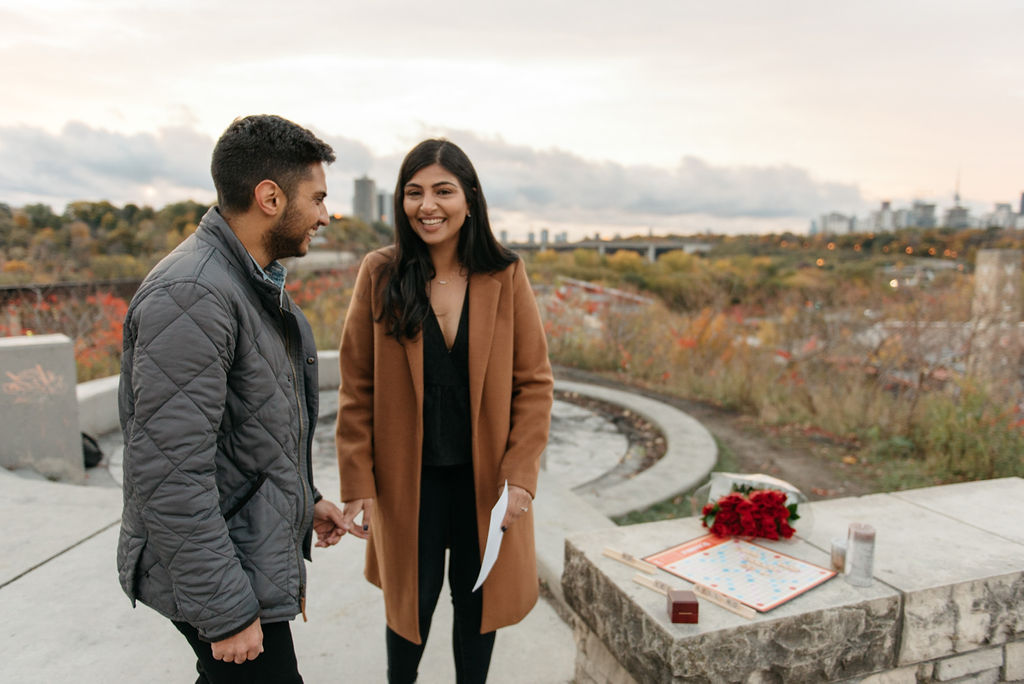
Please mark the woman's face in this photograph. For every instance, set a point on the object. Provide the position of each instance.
(435, 204)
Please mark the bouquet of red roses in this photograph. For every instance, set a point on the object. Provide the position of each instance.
(750, 512)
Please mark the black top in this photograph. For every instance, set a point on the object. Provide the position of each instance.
(447, 435)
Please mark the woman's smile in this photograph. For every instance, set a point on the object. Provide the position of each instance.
(435, 189)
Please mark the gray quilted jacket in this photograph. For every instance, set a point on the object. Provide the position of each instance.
(218, 402)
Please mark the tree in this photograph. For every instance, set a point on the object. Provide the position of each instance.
(626, 260)
(90, 213)
(586, 258)
(82, 243)
(41, 216)
(349, 233)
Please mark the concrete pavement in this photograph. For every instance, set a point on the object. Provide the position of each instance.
(65, 618)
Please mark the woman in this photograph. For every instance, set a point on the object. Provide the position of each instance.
(445, 396)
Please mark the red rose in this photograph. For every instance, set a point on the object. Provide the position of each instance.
(761, 513)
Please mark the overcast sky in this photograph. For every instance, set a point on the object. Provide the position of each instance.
(663, 115)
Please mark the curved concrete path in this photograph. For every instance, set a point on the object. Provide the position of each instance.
(562, 509)
(690, 454)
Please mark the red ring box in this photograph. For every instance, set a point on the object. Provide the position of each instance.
(682, 606)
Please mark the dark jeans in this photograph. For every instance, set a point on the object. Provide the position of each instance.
(447, 520)
(276, 665)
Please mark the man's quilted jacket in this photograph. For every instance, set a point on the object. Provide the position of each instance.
(218, 402)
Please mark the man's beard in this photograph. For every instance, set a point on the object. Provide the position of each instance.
(286, 237)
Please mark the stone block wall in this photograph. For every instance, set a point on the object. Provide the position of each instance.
(947, 603)
(38, 407)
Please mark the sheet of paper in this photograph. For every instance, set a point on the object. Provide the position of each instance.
(494, 536)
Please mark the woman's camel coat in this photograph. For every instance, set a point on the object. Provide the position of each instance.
(380, 435)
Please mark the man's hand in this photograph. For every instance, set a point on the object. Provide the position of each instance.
(246, 645)
(328, 523)
(351, 510)
(519, 501)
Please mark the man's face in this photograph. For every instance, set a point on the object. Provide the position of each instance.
(303, 215)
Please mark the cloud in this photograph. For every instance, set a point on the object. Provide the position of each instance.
(85, 163)
(81, 162)
(522, 179)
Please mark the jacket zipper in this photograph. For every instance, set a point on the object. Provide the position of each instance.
(299, 457)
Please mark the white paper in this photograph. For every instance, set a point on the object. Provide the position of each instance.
(494, 536)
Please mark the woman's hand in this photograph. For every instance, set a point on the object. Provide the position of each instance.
(519, 502)
(349, 513)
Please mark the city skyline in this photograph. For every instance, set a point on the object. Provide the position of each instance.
(671, 117)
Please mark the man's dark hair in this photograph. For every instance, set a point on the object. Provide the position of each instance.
(263, 147)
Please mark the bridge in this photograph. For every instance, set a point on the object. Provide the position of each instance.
(649, 248)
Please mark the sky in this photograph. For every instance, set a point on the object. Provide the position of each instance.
(660, 116)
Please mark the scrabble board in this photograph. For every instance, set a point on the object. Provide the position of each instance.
(750, 573)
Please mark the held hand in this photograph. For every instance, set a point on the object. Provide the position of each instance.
(519, 503)
(328, 523)
(246, 645)
(349, 513)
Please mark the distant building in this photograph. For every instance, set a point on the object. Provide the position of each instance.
(503, 237)
(883, 220)
(544, 237)
(386, 208)
(957, 217)
(1000, 217)
(364, 201)
(835, 223)
(921, 215)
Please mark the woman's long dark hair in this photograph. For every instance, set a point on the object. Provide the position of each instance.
(404, 281)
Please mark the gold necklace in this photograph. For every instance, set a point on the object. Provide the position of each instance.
(445, 282)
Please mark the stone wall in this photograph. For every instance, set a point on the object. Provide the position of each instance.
(996, 315)
(946, 604)
(38, 408)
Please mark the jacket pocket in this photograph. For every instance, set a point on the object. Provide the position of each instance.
(129, 559)
(240, 504)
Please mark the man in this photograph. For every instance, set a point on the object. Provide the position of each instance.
(218, 403)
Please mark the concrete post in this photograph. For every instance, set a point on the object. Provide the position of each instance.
(996, 315)
(38, 407)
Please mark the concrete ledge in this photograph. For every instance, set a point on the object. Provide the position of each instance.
(948, 598)
(97, 399)
(38, 407)
(328, 369)
(956, 554)
(97, 405)
(557, 513)
(690, 454)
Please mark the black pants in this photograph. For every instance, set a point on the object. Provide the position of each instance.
(276, 665)
(447, 520)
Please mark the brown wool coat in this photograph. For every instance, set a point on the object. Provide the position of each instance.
(380, 435)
